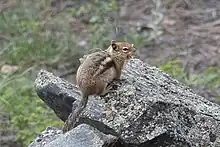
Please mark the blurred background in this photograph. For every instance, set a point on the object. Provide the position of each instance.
(181, 37)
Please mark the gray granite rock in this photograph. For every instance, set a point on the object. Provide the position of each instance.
(146, 108)
(81, 136)
(48, 135)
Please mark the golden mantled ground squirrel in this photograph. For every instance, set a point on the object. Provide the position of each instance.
(96, 72)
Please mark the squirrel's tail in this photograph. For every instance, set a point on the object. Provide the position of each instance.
(74, 116)
(80, 107)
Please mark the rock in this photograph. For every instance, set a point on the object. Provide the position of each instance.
(81, 136)
(45, 137)
(146, 108)
(9, 69)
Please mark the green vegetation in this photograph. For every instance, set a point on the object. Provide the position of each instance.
(30, 37)
(28, 113)
(209, 78)
(29, 42)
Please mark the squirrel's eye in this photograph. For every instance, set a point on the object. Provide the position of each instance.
(125, 49)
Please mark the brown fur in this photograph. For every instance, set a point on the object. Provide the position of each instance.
(96, 71)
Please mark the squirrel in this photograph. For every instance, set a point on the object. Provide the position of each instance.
(95, 73)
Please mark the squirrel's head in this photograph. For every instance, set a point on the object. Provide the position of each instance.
(124, 50)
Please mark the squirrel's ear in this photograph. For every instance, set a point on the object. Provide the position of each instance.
(113, 41)
(113, 44)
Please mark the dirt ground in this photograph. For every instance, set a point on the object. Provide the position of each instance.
(191, 32)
